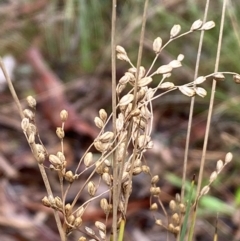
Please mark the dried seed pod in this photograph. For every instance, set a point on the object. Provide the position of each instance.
(219, 77)
(99, 167)
(132, 70)
(204, 190)
(60, 132)
(127, 166)
(120, 152)
(69, 177)
(31, 102)
(199, 80)
(219, 165)
(71, 219)
(120, 88)
(154, 207)
(143, 140)
(90, 231)
(171, 227)
(100, 226)
(119, 122)
(88, 159)
(182, 208)
(196, 25)
(155, 191)
(127, 187)
(166, 85)
(103, 115)
(28, 114)
(98, 122)
(175, 31)
(100, 146)
(31, 138)
(41, 153)
(175, 219)
(155, 179)
(128, 109)
(121, 50)
(25, 124)
(46, 202)
(180, 57)
(178, 198)
(102, 234)
(61, 156)
(31, 129)
(123, 57)
(150, 93)
(54, 160)
(149, 145)
(63, 115)
(142, 72)
(107, 163)
(125, 176)
(201, 91)
(208, 25)
(78, 222)
(68, 209)
(213, 176)
(175, 64)
(173, 205)
(164, 69)
(104, 205)
(106, 137)
(126, 99)
(146, 169)
(131, 76)
(121, 206)
(236, 78)
(82, 239)
(177, 229)
(124, 80)
(107, 178)
(157, 45)
(187, 90)
(58, 202)
(137, 170)
(141, 94)
(80, 211)
(91, 188)
(228, 157)
(51, 200)
(144, 81)
(158, 222)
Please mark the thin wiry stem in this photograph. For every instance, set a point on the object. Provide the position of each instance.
(192, 105)
(114, 111)
(11, 88)
(211, 99)
(139, 60)
(140, 50)
(41, 167)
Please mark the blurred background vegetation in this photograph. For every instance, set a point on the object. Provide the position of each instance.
(74, 38)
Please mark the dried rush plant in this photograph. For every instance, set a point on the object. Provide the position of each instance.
(121, 151)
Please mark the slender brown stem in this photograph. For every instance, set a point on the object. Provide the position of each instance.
(140, 50)
(114, 111)
(41, 167)
(11, 88)
(192, 106)
(211, 100)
